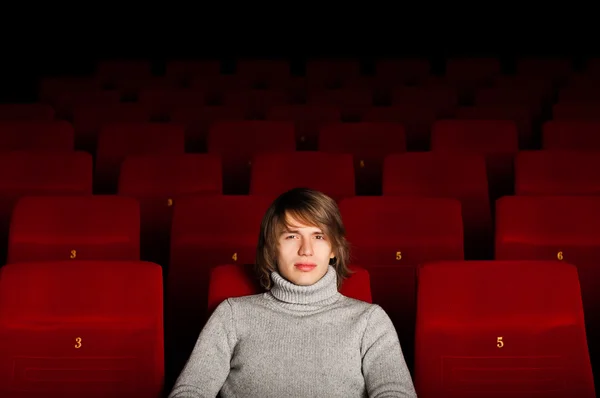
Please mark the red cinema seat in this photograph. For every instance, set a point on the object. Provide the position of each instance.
(519, 114)
(390, 236)
(472, 72)
(52, 87)
(351, 101)
(163, 101)
(442, 98)
(158, 181)
(41, 173)
(368, 143)
(256, 102)
(236, 280)
(26, 112)
(416, 119)
(56, 228)
(307, 120)
(576, 111)
(556, 228)
(263, 73)
(66, 101)
(551, 228)
(57, 135)
(496, 329)
(130, 88)
(238, 142)
(276, 173)
(580, 92)
(402, 71)
(571, 134)
(198, 121)
(446, 175)
(119, 140)
(217, 86)
(72, 329)
(207, 231)
(332, 73)
(557, 172)
(530, 97)
(497, 140)
(89, 119)
(181, 72)
(556, 69)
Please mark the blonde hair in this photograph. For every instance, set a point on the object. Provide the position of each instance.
(311, 208)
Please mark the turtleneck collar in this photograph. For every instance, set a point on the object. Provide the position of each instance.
(321, 293)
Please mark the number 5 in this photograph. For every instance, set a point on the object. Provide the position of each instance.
(500, 342)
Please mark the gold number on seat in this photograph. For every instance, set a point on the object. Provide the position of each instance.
(398, 256)
(302, 139)
(73, 254)
(78, 342)
(234, 257)
(500, 343)
(169, 202)
(559, 255)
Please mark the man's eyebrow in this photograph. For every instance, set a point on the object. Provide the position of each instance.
(295, 231)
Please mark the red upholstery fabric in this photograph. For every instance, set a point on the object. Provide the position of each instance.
(368, 143)
(88, 119)
(390, 237)
(163, 101)
(576, 110)
(329, 73)
(181, 72)
(119, 140)
(237, 142)
(256, 102)
(416, 118)
(158, 181)
(53, 228)
(44, 135)
(519, 114)
(41, 173)
(75, 329)
(446, 175)
(267, 73)
(26, 112)
(402, 71)
(501, 329)
(207, 231)
(551, 228)
(307, 120)
(556, 172)
(198, 121)
(276, 173)
(572, 134)
(497, 140)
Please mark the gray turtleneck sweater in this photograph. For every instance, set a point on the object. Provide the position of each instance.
(296, 341)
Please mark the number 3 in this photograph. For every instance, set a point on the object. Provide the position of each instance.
(78, 342)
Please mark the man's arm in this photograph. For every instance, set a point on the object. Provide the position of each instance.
(384, 368)
(208, 366)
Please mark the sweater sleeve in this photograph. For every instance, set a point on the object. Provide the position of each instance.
(208, 366)
(383, 365)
